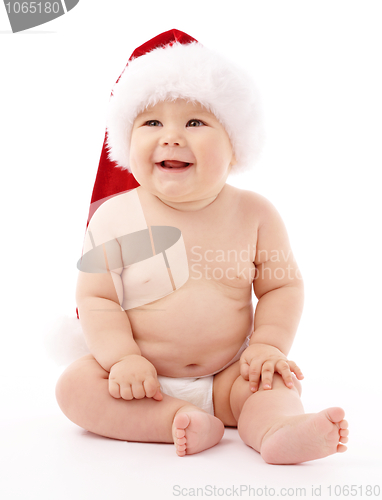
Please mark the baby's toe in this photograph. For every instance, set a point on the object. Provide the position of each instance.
(180, 433)
(344, 432)
(181, 422)
(343, 438)
(180, 446)
(343, 424)
(336, 415)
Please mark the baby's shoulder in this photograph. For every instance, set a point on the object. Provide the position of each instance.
(113, 204)
(249, 201)
(110, 220)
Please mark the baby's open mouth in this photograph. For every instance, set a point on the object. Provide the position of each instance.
(174, 164)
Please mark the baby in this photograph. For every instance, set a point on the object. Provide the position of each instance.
(165, 284)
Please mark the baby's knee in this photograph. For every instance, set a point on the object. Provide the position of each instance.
(66, 387)
(278, 382)
(74, 383)
(297, 384)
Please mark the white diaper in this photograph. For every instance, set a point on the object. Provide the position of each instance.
(197, 391)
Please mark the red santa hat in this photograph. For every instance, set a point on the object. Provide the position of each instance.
(170, 66)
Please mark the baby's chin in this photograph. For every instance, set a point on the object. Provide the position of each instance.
(174, 191)
(187, 204)
(188, 195)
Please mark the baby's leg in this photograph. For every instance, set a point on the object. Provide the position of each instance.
(273, 423)
(83, 395)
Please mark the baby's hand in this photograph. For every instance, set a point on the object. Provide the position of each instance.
(134, 377)
(261, 361)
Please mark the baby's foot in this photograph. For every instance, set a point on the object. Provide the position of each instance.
(306, 437)
(194, 431)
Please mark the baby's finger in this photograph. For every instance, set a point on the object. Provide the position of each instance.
(296, 370)
(254, 375)
(126, 392)
(267, 372)
(151, 387)
(158, 396)
(244, 369)
(138, 390)
(282, 367)
(114, 389)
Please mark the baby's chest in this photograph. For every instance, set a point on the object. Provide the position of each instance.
(193, 247)
(174, 256)
(225, 258)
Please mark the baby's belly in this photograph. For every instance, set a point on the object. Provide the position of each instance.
(194, 331)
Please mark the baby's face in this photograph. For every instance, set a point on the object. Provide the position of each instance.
(180, 153)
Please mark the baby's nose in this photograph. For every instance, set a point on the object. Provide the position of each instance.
(172, 138)
(171, 143)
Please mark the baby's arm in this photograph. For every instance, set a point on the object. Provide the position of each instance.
(279, 289)
(110, 339)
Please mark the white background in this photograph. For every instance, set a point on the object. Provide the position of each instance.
(317, 65)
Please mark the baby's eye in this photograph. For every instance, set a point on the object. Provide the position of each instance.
(153, 123)
(195, 123)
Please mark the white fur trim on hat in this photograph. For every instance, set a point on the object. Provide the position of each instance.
(193, 72)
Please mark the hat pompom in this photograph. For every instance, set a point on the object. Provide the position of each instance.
(64, 340)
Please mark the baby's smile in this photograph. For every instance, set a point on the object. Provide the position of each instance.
(174, 166)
